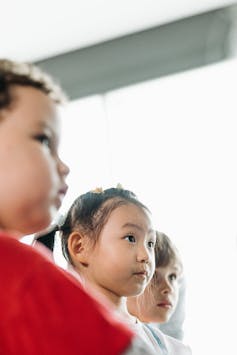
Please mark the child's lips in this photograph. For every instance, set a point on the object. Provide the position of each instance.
(62, 192)
(141, 273)
(165, 304)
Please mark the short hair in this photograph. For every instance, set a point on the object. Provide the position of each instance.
(26, 74)
(165, 251)
(90, 211)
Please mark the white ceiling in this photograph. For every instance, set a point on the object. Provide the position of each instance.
(32, 30)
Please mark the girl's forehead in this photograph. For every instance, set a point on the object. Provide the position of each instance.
(129, 214)
(127, 208)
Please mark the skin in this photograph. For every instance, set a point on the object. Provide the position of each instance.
(32, 181)
(121, 263)
(158, 302)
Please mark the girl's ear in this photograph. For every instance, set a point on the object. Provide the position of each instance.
(79, 248)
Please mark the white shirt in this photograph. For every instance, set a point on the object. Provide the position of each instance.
(158, 342)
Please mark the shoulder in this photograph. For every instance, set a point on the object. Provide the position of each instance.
(41, 300)
(21, 265)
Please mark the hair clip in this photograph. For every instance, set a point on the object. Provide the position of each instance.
(97, 190)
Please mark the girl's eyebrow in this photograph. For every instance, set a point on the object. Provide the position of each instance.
(138, 227)
(133, 225)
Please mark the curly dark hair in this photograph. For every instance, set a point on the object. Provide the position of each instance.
(25, 74)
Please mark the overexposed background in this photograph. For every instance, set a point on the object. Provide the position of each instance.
(171, 140)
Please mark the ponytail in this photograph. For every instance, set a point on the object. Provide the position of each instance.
(48, 238)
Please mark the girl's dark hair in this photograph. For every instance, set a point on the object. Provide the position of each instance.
(90, 211)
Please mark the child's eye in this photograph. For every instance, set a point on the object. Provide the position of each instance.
(173, 277)
(130, 238)
(151, 244)
(44, 139)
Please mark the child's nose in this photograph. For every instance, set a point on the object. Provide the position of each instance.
(63, 168)
(143, 255)
(165, 287)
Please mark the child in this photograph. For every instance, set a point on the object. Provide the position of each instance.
(43, 310)
(108, 238)
(174, 325)
(159, 300)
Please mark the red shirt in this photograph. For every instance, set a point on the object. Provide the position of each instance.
(44, 311)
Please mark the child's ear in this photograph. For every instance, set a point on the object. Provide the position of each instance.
(78, 247)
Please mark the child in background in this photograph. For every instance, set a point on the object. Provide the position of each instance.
(174, 325)
(108, 238)
(43, 310)
(159, 300)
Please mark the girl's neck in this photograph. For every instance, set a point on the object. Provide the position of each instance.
(118, 303)
(115, 300)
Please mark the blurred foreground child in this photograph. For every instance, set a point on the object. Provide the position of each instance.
(43, 310)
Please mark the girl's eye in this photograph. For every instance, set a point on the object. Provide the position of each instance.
(44, 140)
(130, 238)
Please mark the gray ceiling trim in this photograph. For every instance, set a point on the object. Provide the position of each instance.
(171, 48)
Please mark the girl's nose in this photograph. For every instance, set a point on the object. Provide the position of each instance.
(143, 255)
